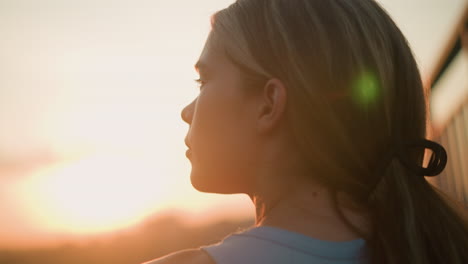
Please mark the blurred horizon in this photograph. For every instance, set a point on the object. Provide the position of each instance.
(90, 97)
(177, 217)
(154, 238)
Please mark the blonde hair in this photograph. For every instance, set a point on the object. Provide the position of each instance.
(354, 92)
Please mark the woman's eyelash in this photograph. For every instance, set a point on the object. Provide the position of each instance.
(199, 81)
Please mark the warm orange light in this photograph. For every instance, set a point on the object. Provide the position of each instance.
(97, 193)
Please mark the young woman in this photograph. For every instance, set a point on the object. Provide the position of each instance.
(315, 109)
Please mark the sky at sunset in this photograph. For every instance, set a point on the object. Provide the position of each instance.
(91, 91)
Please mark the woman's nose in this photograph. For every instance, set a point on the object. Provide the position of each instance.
(187, 112)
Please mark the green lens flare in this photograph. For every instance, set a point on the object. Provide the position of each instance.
(366, 89)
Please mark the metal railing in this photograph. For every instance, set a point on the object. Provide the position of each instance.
(453, 132)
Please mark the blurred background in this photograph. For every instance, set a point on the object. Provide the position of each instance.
(92, 164)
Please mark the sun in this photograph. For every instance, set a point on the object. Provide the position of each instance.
(97, 193)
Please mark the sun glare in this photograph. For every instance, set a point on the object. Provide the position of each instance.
(97, 193)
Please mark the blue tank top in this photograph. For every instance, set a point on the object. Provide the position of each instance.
(274, 246)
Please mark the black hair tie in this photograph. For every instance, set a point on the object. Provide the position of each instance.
(437, 161)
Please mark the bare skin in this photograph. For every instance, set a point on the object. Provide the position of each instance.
(297, 205)
(276, 183)
(302, 212)
(190, 256)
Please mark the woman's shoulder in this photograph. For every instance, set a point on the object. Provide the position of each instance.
(189, 256)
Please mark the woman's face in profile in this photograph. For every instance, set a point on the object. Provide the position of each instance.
(221, 136)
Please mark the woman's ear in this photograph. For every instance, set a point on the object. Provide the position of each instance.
(272, 107)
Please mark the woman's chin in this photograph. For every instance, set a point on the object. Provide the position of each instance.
(213, 184)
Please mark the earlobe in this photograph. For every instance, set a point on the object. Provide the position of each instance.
(272, 106)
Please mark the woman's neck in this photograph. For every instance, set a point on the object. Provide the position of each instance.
(310, 210)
